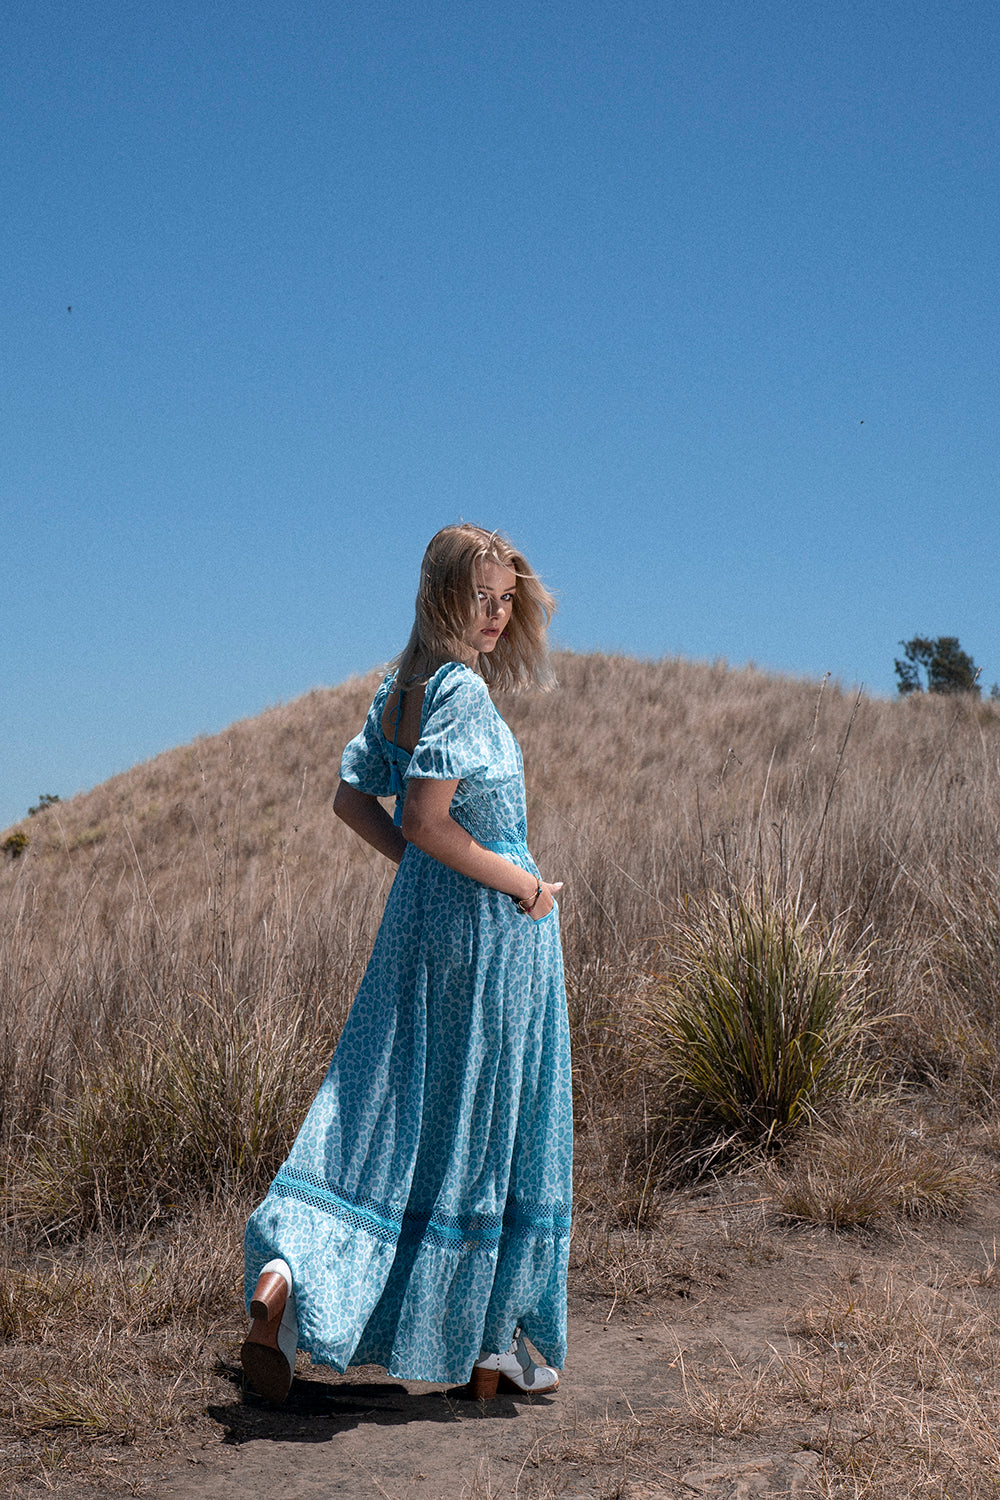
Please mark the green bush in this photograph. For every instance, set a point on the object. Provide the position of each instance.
(758, 1021)
(15, 843)
(47, 799)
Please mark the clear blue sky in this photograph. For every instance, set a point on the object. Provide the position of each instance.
(697, 300)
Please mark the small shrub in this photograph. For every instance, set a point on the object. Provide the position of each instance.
(760, 1019)
(947, 668)
(47, 799)
(868, 1169)
(15, 843)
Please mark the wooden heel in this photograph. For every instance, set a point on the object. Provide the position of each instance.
(483, 1384)
(265, 1365)
(268, 1301)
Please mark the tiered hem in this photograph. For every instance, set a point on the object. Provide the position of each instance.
(380, 1287)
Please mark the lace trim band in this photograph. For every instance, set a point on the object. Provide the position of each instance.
(385, 1223)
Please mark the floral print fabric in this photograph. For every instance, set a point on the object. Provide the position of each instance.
(424, 1207)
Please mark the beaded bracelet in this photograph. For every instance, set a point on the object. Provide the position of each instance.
(528, 906)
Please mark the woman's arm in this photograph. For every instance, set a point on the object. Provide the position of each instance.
(428, 823)
(368, 817)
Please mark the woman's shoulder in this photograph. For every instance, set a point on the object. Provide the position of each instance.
(455, 694)
(458, 726)
(454, 679)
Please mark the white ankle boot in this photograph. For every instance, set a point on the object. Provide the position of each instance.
(516, 1368)
(268, 1352)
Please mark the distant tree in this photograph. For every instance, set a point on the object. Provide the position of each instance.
(939, 665)
(995, 693)
(45, 800)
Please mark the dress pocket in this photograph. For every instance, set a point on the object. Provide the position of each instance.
(541, 921)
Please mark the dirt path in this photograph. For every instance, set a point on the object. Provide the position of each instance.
(369, 1437)
(634, 1417)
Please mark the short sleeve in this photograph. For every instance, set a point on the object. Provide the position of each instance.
(364, 763)
(458, 736)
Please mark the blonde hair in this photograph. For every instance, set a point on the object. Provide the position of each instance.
(448, 605)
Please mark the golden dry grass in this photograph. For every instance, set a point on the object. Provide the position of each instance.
(871, 1167)
(178, 949)
(896, 1387)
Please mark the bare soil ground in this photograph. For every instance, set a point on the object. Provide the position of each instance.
(715, 1357)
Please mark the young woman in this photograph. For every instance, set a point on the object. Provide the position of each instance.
(421, 1221)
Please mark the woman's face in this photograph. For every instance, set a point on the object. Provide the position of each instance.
(497, 586)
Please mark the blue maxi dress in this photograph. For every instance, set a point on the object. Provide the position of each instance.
(424, 1209)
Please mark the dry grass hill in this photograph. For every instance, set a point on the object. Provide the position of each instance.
(179, 946)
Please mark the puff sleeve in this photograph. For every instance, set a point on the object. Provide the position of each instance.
(365, 762)
(458, 736)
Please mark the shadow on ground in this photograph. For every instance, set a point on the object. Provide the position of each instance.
(318, 1410)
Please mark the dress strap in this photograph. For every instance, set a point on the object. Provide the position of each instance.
(395, 775)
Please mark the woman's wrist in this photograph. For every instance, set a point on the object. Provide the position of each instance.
(528, 903)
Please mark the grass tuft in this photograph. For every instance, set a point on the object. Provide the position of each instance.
(870, 1169)
(210, 1104)
(759, 1020)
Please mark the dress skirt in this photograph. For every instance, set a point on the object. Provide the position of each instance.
(424, 1209)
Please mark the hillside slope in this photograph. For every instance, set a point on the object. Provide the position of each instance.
(619, 735)
(647, 773)
(648, 782)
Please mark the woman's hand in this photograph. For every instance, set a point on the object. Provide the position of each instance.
(546, 900)
(427, 823)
